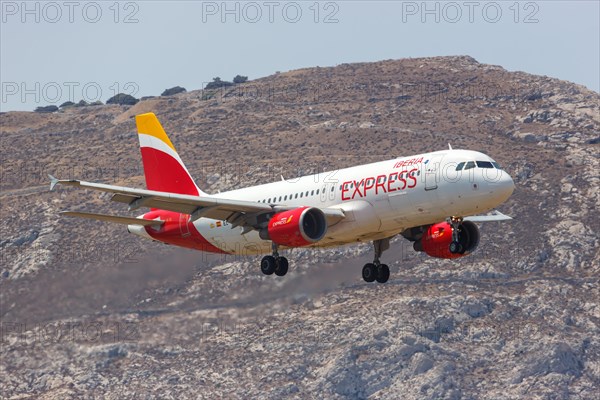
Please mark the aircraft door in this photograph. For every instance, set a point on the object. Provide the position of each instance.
(432, 172)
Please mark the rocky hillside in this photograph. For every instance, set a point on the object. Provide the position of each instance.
(87, 310)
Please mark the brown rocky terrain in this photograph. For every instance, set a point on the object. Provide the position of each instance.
(89, 311)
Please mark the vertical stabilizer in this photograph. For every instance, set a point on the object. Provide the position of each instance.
(164, 170)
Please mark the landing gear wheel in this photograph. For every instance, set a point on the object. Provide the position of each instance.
(383, 273)
(281, 266)
(268, 265)
(369, 272)
(455, 247)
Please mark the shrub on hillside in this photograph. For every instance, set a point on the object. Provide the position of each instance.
(46, 109)
(217, 83)
(173, 90)
(122, 99)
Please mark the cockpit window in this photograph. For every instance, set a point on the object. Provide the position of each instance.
(495, 164)
(470, 165)
(484, 164)
(460, 166)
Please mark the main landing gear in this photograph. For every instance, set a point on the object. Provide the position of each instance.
(456, 247)
(376, 270)
(274, 263)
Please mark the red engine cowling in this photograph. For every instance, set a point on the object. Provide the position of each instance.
(436, 240)
(296, 228)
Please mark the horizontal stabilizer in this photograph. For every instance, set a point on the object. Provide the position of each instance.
(114, 218)
(53, 181)
(491, 217)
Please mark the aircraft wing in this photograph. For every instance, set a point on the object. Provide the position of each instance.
(237, 212)
(491, 217)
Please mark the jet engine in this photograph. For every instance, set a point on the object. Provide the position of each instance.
(296, 228)
(436, 240)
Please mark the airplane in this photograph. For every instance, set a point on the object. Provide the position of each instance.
(432, 199)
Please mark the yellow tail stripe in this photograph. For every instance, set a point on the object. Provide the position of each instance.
(148, 124)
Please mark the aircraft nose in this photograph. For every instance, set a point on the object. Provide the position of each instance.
(506, 186)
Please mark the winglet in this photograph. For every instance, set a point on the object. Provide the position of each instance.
(53, 181)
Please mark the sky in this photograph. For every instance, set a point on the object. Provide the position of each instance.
(58, 51)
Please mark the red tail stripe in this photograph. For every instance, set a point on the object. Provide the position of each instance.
(166, 174)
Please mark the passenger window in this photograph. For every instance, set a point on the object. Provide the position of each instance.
(333, 187)
(306, 193)
(460, 166)
(269, 200)
(285, 197)
(296, 196)
(300, 194)
(470, 165)
(312, 193)
(484, 164)
(279, 198)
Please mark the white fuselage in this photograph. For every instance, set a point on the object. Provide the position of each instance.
(379, 200)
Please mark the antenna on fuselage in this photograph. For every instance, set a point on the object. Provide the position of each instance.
(449, 146)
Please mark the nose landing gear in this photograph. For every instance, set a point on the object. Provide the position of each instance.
(456, 246)
(376, 270)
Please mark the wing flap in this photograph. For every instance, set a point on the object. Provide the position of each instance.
(113, 218)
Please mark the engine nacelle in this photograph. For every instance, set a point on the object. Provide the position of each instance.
(436, 240)
(296, 228)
